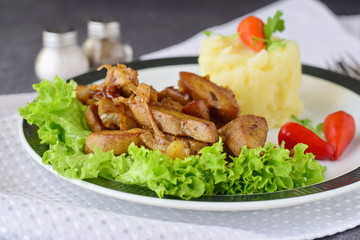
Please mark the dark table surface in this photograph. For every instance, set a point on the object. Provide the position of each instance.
(147, 25)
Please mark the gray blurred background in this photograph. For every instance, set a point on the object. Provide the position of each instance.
(147, 25)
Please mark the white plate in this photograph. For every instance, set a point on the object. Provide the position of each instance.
(321, 93)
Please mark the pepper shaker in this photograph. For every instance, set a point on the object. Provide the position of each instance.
(61, 55)
(104, 44)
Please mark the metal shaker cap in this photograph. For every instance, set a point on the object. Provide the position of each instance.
(103, 27)
(59, 36)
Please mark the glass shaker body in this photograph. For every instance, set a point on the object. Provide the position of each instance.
(60, 56)
(104, 45)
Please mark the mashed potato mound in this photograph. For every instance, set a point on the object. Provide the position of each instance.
(264, 83)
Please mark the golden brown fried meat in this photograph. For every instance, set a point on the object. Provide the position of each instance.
(109, 113)
(175, 94)
(115, 140)
(145, 93)
(176, 123)
(119, 141)
(169, 103)
(119, 81)
(99, 91)
(174, 147)
(197, 108)
(114, 116)
(144, 96)
(93, 120)
(221, 101)
(154, 141)
(84, 95)
(246, 130)
(124, 77)
(180, 124)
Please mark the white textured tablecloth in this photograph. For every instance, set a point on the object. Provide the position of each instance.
(35, 204)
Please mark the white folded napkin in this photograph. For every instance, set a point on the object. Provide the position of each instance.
(318, 31)
(352, 24)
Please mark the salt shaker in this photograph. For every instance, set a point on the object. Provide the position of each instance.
(61, 55)
(104, 44)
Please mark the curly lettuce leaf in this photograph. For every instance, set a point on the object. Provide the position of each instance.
(58, 114)
(187, 178)
(60, 118)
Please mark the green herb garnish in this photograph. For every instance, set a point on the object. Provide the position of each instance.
(309, 124)
(274, 24)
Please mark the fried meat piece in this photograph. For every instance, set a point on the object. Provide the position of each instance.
(175, 94)
(115, 140)
(114, 116)
(119, 141)
(176, 123)
(124, 77)
(246, 130)
(197, 108)
(93, 120)
(84, 95)
(174, 147)
(221, 101)
(169, 103)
